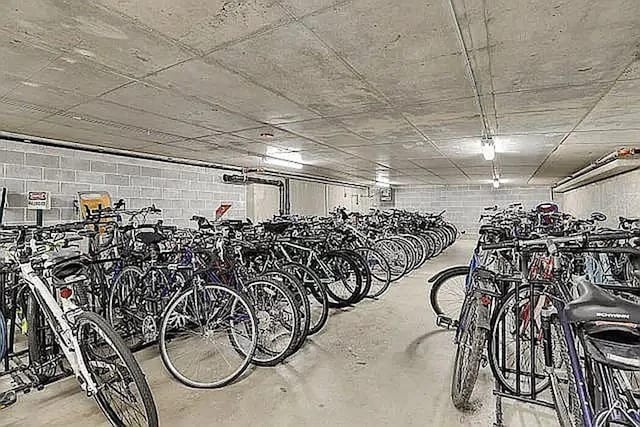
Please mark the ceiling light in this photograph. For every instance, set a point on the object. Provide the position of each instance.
(283, 163)
(266, 135)
(496, 182)
(488, 148)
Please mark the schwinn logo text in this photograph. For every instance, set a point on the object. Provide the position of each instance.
(613, 315)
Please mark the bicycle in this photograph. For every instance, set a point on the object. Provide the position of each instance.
(97, 357)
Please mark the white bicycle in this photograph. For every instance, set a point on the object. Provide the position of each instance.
(97, 356)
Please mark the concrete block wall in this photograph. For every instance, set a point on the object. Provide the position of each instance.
(616, 196)
(465, 203)
(179, 190)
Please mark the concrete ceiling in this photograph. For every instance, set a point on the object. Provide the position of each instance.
(353, 89)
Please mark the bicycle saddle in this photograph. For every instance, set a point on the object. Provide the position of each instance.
(149, 237)
(493, 230)
(597, 305)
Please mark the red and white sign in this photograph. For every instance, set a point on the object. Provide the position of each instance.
(222, 209)
(39, 200)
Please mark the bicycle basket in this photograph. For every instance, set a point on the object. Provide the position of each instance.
(613, 345)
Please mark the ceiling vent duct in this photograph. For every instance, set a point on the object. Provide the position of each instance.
(620, 161)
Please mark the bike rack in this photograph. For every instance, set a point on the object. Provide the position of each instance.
(533, 395)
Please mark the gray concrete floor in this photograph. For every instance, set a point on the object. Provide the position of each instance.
(381, 363)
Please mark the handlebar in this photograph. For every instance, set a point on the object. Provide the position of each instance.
(583, 238)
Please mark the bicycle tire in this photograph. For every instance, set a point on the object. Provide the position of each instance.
(255, 290)
(395, 255)
(567, 407)
(441, 283)
(301, 300)
(340, 290)
(380, 275)
(464, 376)
(364, 271)
(128, 280)
(121, 350)
(316, 293)
(246, 348)
(499, 314)
(3, 336)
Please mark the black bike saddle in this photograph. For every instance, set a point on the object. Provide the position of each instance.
(595, 304)
(493, 230)
(149, 237)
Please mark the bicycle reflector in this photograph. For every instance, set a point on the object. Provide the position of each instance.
(65, 293)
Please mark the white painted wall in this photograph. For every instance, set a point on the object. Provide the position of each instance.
(179, 190)
(263, 202)
(464, 203)
(616, 196)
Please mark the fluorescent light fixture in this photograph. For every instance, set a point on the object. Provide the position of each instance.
(283, 163)
(496, 182)
(488, 148)
(382, 184)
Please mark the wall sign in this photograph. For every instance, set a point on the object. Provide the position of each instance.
(386, 195)
(39, 200)
(90, 201)
(222, 209)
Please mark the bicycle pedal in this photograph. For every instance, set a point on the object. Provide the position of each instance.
(446, 322)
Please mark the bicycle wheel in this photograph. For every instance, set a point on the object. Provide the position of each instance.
(510, 342)
(3, 336)
(395, 255)
(447, 293)
(409, 250)
(278, 320)
(208, 336)
(316, 294)
(343, 278)
(437, 240)
(363, 268)
(127, 308)
(563, 382)
(417, 247)
(379, 269)
(471, 342)
(301, 300)
(123, 393)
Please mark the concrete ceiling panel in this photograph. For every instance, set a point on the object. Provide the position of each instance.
(550, 99)
(185, 108)
(128, 116)
(21, 58)
(632, 71)
(618, 109)
(64, 132)
(627, 137)
(541, 121)
(100, 35)
(89, 78)
(304, 7)
(21, 90)
(99, 126)
(407, 50)
(382, 128)
(217, 85)
(202, 25)
(460, 127)
(293, 61)
(574, 42)
(15, 117)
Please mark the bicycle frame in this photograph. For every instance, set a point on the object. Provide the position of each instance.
(61, 322)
